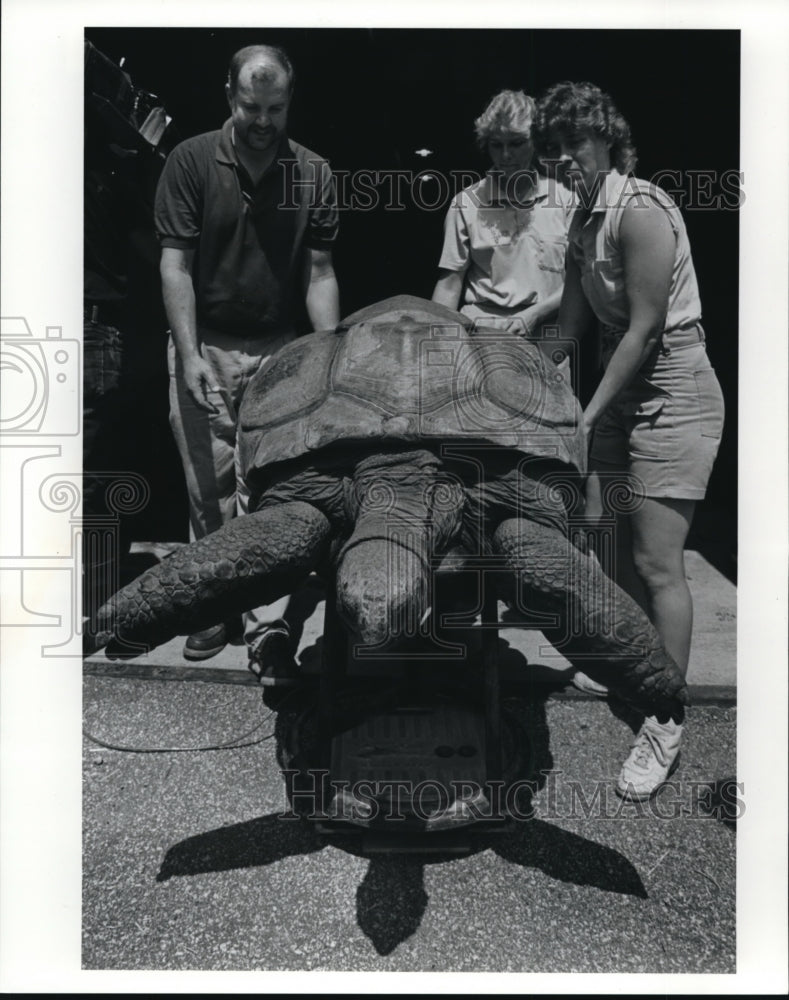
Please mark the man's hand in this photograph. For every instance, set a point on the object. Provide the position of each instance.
(179, 302)
(200, 380)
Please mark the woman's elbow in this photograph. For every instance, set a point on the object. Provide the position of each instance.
(448, 288)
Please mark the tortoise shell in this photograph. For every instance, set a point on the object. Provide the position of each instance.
(408, 371)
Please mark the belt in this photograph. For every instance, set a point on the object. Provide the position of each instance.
(260, 334)
(681, 336)
(106, 312)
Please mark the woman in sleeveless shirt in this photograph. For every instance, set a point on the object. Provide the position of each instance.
(657, 414)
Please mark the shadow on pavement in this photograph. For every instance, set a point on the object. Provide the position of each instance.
(391, 900)
(303, 603)
(719, 800)
(255, 843)
(713, 533)
(569, 858)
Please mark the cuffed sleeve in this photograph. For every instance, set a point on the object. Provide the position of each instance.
(323, 218)
(455, 252)
(178, 207)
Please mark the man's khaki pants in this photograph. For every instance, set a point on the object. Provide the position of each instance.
(207, 442)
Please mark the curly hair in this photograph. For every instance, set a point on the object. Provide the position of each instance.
(509, 111)
(570, 107)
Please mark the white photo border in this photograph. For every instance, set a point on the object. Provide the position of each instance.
(42, 67)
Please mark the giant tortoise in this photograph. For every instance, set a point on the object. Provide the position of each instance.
(372, 449)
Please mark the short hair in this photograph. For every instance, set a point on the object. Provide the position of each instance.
(272, 53)
(569, 107)
(509, 111)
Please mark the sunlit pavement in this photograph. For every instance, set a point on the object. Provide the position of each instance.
(188, 865)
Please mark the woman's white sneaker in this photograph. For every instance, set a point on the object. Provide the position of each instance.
(653, 758)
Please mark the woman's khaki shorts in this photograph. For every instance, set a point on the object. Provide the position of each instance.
(665, 427)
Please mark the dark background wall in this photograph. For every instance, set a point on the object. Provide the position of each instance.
(367, 99)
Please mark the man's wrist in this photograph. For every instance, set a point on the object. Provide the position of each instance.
(189, 354)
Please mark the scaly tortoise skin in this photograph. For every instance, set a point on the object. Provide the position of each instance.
(370, 451)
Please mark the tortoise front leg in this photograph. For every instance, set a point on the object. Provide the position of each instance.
(250, 561)
(595, 617)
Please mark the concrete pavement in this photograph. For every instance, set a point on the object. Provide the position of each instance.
(188, 864)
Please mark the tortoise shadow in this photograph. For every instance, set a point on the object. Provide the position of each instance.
(567, 857)
(252, 844)
(391, 899)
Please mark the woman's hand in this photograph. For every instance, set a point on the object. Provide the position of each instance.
(589, 421)
(531, 319)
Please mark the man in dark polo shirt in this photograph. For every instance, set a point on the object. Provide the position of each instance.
(246, 219)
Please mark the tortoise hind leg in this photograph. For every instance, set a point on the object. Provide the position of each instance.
(250, 561)
(594, 619)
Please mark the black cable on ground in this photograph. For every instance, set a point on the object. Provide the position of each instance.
(234, 744)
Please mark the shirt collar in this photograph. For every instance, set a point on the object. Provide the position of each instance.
(226, 152)
(492, 198)
(224, 147)
(610, 191)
